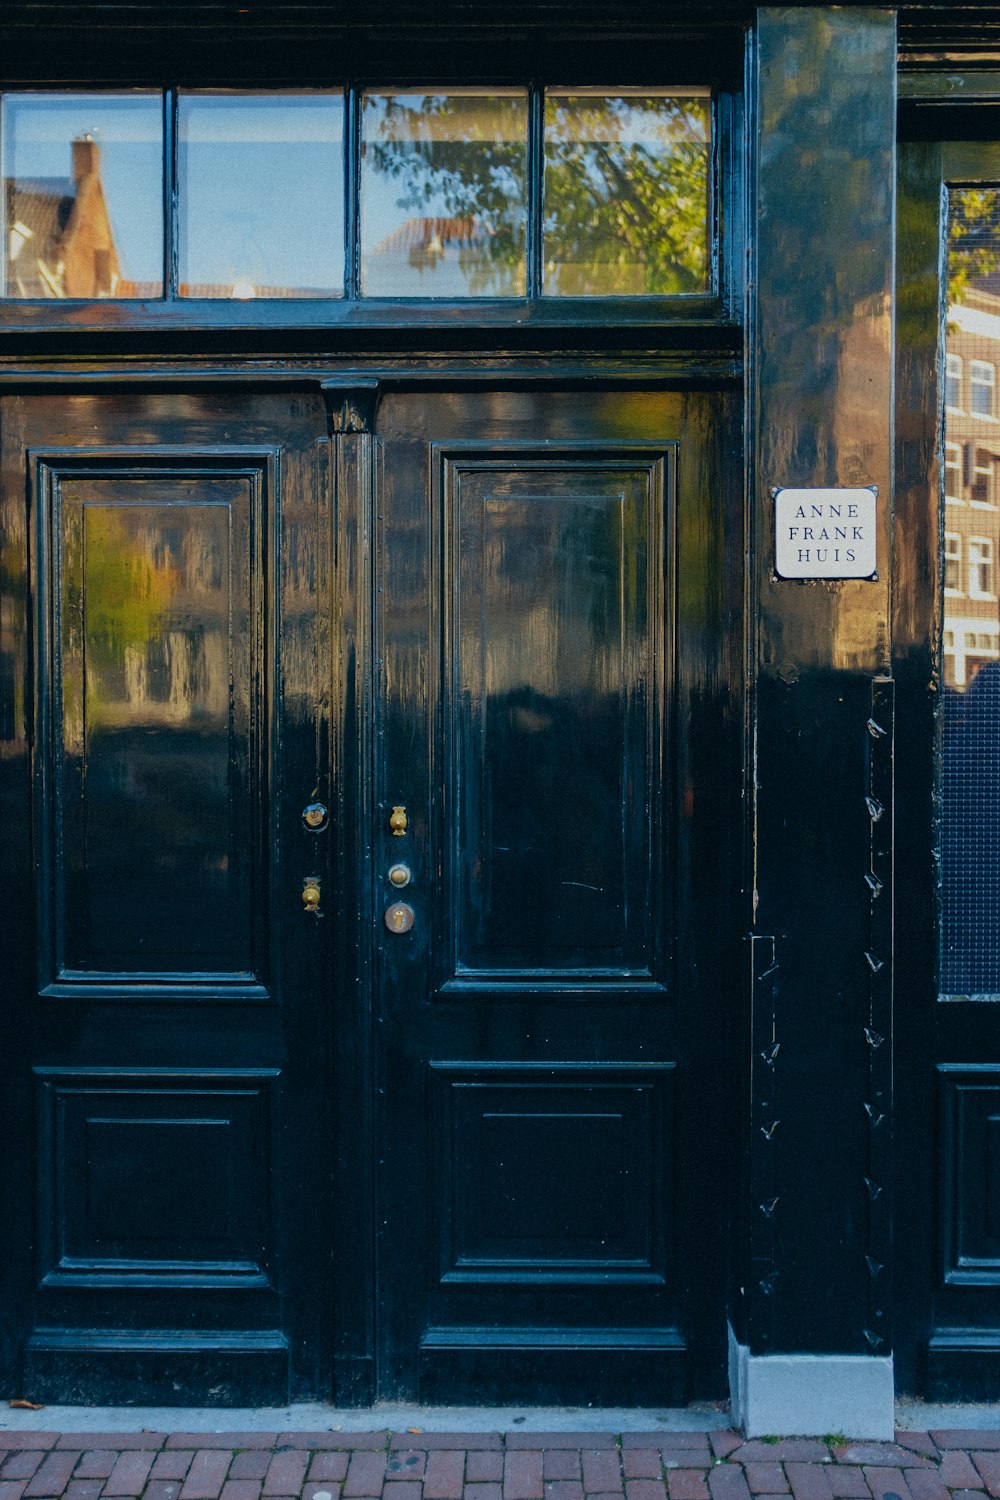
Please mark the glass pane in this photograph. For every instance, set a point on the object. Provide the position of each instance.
(626, 195)
(83, 195)
(444, 193)
(261, 195)
(970, 716)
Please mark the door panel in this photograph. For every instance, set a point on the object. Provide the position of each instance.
(148, 644)
(554, 565)
(544, 1063)
(172, 1050)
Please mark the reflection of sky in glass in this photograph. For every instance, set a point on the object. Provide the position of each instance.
(625, 210)
(38, 130)
(444, 193)
(261, 195)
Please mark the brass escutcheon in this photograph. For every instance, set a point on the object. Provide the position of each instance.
(398, 821)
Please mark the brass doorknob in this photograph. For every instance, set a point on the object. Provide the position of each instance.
(311, 894)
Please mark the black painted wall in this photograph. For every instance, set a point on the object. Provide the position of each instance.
(820, 414)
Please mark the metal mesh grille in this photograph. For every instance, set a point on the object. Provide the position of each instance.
(969, 770)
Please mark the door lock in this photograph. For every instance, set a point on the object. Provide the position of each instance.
(311, 893)
(398, 821)
(315, 817)
(399, 917)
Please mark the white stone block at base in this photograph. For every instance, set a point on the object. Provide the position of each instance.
(810, 1395)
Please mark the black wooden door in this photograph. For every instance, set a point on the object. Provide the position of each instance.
(266, 1136)
(558, 642)
(166, 992)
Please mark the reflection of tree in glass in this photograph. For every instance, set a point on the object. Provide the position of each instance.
(469, 155)
(626, 194)
(973, 237)
(626, 187)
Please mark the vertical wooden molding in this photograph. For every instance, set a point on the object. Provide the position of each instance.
(351, 409)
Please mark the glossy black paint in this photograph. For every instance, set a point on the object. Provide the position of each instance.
(821, 415)
(556, 1055)
(173, 1043)
(557, 632)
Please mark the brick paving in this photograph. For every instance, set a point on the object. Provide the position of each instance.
(414, 1465)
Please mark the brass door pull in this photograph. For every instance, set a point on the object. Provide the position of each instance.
(311, 893)
(398, 821)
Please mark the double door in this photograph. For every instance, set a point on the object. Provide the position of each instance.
(370, 783)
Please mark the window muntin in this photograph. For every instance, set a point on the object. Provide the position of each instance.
(260, 195)
(953, 382)
(83, 196)
(625, 207)
(952, 563)
(444, 193)
(225, 227)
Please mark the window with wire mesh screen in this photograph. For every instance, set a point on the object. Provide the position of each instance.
(969, 744)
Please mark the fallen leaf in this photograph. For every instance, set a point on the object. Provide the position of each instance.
(414, 1429)
(27, 1405)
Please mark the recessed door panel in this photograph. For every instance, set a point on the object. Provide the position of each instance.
(156, 674)
(555, 572)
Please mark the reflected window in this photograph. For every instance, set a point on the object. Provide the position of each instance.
(83, 195)
(982, 387)
(261, 195)
(953, 473)
(983, 489)
(981, 577)
(444, 191)
(969, 746)
(625, 208)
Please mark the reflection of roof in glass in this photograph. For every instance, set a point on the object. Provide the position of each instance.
(429, 234)
(42, 206)
(60, 242)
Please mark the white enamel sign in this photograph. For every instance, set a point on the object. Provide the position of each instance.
(825, 533)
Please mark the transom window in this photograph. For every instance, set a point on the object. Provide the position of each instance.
(378, 193)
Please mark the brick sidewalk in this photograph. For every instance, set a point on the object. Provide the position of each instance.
(492, 1466)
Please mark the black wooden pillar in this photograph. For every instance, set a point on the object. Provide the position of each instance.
(812, 1347)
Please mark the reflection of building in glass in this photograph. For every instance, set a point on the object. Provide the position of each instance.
(970, 719)
(972, 495)
(424, 242)
(60, 242)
